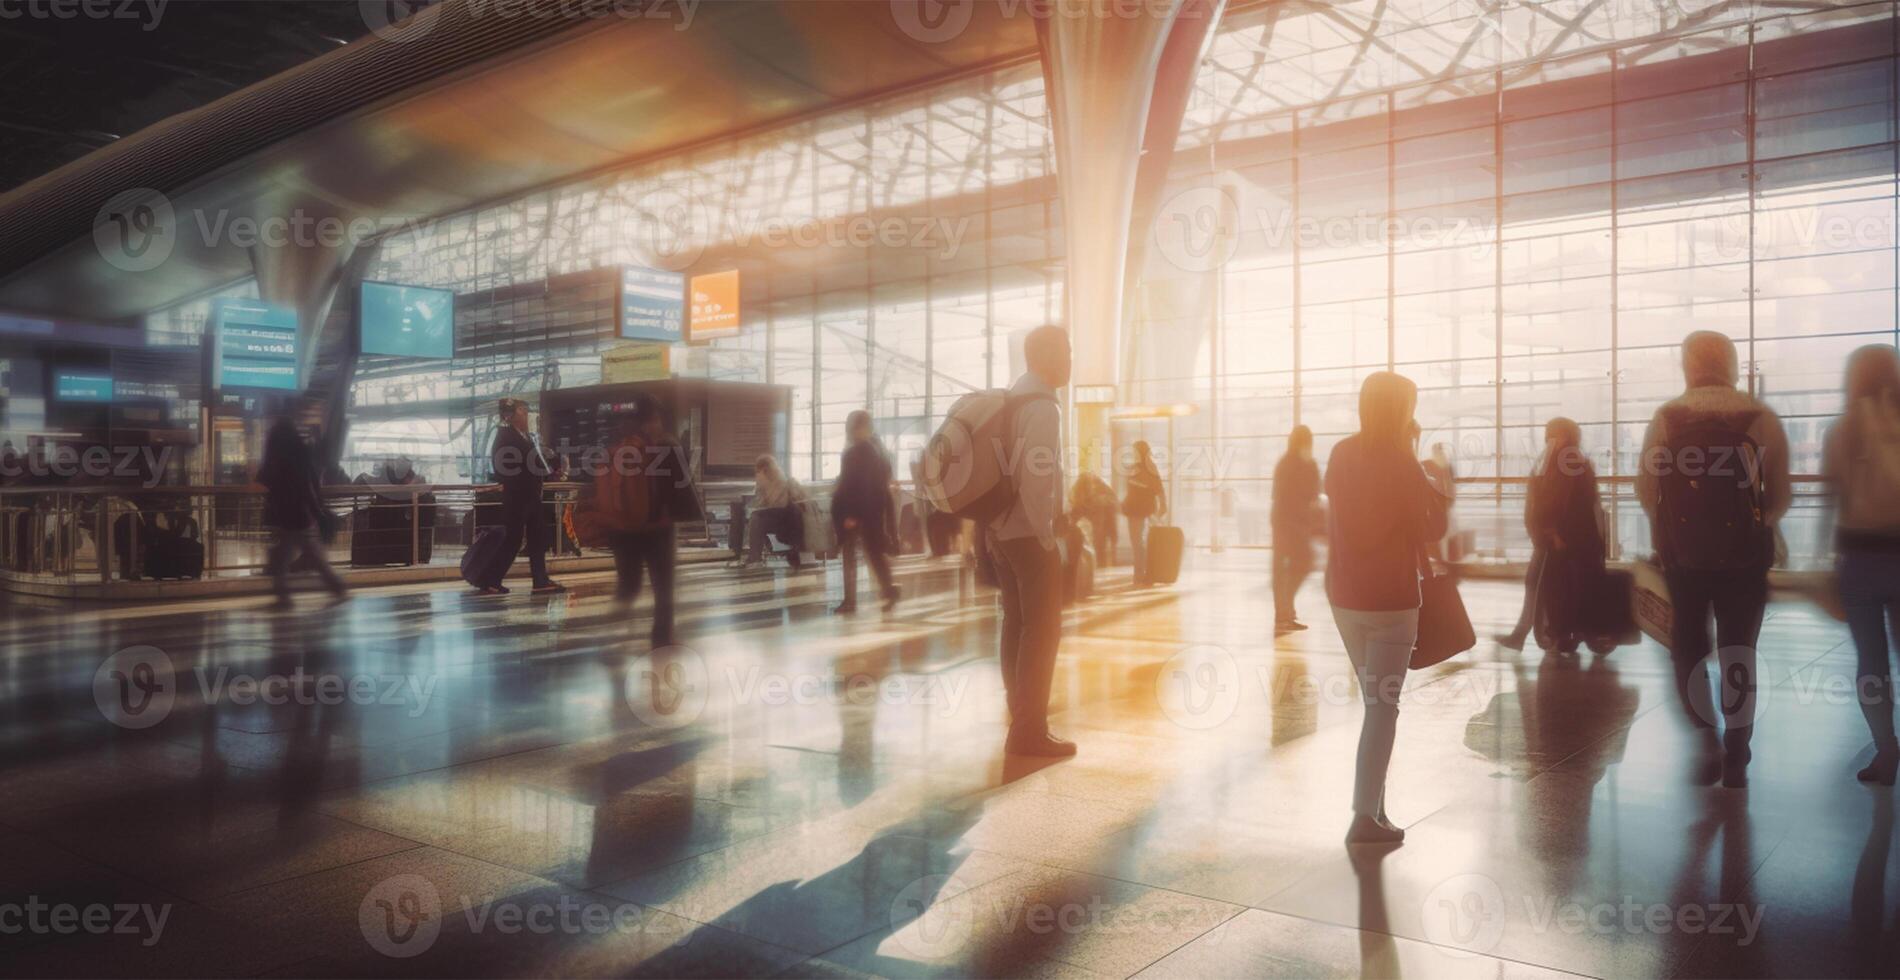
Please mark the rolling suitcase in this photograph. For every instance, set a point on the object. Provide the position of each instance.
(484, 555)
(1610, 614)
(1166, 544)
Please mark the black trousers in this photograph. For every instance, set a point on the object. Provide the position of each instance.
(1030, 579)
(1736, 600)
(653, 552)
(525, 521)
(850, 542)
(1292, 563)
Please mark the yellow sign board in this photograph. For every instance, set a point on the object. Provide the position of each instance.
(636, 362)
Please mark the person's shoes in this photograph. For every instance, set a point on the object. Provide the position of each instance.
(1371, 831)
(550, 587)
(844, 609)
(338, 598)
(891, 598)
(1735, 769)
(492, 590)
(1045, 746)
(1882, 769)
(282, 604)
(1510, 641)
(1707, 768)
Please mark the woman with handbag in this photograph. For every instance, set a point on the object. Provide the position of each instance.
(1861, 463)
(1384, 512)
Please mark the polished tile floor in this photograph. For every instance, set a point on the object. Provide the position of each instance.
(424, 784)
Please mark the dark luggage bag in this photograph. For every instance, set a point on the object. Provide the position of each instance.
(1166, 545)
(484, 555)
(1610, 614)
(175, 553)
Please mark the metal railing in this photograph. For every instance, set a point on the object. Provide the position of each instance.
(100, 536)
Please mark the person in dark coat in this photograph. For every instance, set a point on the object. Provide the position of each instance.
(1295, 517)
(293, 511)
(521, 468)
(864, 513)
(1561, 514)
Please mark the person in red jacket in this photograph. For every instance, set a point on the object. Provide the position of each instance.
(1383, 513)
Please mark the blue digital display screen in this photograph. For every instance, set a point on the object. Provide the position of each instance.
(407, 321)
(82, 386)
(652, 304)
(256, 344)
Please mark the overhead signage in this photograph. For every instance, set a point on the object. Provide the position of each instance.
(715, 311)
(254, 345)
(652, 304)
(636, 362)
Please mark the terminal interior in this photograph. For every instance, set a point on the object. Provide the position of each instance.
(766, 216)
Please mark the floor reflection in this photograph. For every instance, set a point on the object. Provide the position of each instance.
(796, 793)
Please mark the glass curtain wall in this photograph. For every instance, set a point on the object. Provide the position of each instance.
(1526, 218)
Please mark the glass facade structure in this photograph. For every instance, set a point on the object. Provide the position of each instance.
(1522, 206)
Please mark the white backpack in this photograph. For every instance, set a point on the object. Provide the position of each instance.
(966, 466)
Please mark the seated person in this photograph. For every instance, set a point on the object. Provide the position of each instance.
(775, 501)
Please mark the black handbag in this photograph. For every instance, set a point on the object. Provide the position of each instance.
(1444, 628)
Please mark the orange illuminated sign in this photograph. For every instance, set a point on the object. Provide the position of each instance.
(715, 308)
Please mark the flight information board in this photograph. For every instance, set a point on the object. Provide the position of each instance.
(255, 345)
(406, 321)
(82, 386)
(652, 304)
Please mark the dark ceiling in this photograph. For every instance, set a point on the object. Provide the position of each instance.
(68, 87)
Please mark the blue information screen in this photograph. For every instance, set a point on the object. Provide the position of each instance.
(407, 321)
(652, 304)
(82, 386)
(256, 344)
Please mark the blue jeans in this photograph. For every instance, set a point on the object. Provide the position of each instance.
(1870, 592)
(1380, 647)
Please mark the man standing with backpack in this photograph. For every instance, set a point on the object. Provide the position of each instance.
(1713, 477)
(1022, 543)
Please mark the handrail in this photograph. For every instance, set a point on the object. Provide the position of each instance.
(328, 490)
